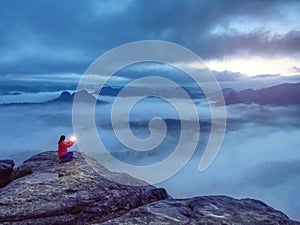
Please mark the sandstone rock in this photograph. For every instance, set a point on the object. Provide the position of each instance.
(204, 210)
(6, 168)
(69, 193)
(7, 174)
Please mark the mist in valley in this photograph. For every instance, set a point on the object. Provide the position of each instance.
(259, 157)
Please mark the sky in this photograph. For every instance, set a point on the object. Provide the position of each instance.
(55, 37)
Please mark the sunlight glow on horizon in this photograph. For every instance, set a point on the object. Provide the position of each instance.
(254, 66)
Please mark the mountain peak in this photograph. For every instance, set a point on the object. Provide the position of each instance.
(81, 96)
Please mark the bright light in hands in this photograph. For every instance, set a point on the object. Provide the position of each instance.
(73, 138)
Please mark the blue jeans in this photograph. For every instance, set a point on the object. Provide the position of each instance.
(66, 157)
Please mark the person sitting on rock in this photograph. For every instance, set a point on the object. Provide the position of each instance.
(63, 146)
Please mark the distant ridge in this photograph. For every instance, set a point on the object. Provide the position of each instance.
(64, 97)
(281, 95)
(82, 96)
(141, 91)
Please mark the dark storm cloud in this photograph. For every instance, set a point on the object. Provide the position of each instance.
(59, 36)
(253, 43)
(191, 25)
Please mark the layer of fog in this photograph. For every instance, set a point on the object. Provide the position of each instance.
(20, 97)
(259, 157)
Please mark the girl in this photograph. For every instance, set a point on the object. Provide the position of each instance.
(63, 146)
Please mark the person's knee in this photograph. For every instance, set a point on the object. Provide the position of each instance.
(67, 157)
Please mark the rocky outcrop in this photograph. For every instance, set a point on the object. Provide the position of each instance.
(74, 193)
(143, 91)
(8, 174)
(70, 193)
(204, 210)
(6, 168)
(81, 96)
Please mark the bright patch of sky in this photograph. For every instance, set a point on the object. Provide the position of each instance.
(252, 66)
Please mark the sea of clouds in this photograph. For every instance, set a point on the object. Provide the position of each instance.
(259, 157)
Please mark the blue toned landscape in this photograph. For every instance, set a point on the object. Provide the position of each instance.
(259, 157)
(252, 48)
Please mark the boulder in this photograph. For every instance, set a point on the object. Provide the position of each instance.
(8, 174)
(6, 168)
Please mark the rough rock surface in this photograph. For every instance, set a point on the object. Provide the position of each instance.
(6, 168)
(8, 174)
(69, 193)
(221, 210)
(73, 193)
